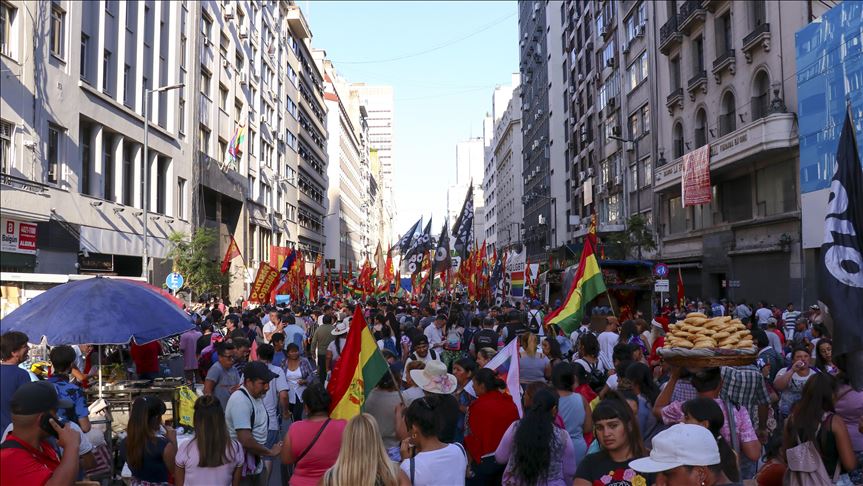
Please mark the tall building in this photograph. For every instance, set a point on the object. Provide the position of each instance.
(469, 162)
(380, 106)
(732, 221)
(503, 169)
(538, 203)
(347, 225)
(239, 146)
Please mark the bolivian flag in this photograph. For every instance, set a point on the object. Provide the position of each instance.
(357, 372)
(586, 285)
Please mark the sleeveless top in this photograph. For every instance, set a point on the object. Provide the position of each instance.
(571, 410)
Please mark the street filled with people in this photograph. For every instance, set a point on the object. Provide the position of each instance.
(598, 406)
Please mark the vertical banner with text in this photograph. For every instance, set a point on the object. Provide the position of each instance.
(264, 282)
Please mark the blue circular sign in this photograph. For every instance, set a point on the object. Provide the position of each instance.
(174, 281)
(660, 269)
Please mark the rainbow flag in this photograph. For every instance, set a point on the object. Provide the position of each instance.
(237, 141)
(357, 372)
(516, 284)
(586, 285)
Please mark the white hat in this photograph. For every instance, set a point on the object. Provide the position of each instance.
(341, 327)
(679, 445)
(434, 378)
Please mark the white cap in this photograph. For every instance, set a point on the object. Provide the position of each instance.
(680, 445)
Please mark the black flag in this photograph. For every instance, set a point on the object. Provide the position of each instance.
(419, 250)
(840, 283)
(441, 255)
(462, 230)
(404, 243)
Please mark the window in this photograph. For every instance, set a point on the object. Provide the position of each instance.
(106, 71)
(760, 95)
(108, 179)
(647, 168)
(223, 150)
(724, 42)
(128, 99)
(205, 83)
(728, 117)
(183, 43)
(676, 216)
(700, 128)
(223, 45)
(181, 112)
(181, 198)
(163, 166)
(637, 71)
(253, 185)
(698, 56)
(776, 190)
(54, 134)
(757, 13)
(238, 60)
(705, 215)
(634, 126)
(645, 118)
(674, 73)
(128, 172)
(238, 108)
(206, 28)
(677, 141)
(86, 159)
(204, 138)
(58, 31)
(735, 197)
(7, 21)
(85, 47)
(636, 22)
(5, 147)
(223, 98)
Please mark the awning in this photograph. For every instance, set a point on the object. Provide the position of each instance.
(110, 242)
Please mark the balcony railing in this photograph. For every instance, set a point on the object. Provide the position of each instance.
(691, 13)
(759, 36)
(726, 60)
(674, 100)
(695, 82)
(669, 35)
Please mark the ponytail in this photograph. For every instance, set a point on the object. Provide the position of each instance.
(728, 459)
(489, 379)
(707, 410)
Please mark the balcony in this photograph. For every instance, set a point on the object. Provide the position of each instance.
(712, 5)
(758, 139)
(669, 36)
(224, 181)
(696, 82)
(725, 61)
(674, 100)
(297, 23)
(691, 15)
(758, 37)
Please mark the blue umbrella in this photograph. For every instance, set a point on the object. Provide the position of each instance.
(97, 311)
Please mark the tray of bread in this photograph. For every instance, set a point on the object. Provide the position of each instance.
(701, 341)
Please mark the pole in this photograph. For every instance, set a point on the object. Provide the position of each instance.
(145, 258)
(99, 351)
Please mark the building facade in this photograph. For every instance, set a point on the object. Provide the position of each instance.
(237, 135)
(538, 223)
(725, 71)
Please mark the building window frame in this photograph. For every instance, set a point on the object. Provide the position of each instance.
(7, 129)
(57, 39)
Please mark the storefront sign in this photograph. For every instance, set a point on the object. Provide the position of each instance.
(695, 183)
(96, 262)
(18, 237)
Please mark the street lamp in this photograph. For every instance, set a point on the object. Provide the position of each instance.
(146, 172)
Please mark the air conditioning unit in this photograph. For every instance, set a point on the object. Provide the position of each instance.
(207, 42)
(618, 179)
(626, 48)
(615, 130)
(610, 62)
(571, 90)
(228, 11)
(541, 220)
(244, 32)
(225, 63)
(572, 120)
(274, 93)
(244, 78)
(581, 176)
(583, 135)
(580, 77)
(612, 101)
(590, 172)
(641, 29)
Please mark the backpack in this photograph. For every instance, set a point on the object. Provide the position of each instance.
(805, 466)
(513, 329)
(485, 338)
(595, 377)
(467, 337)
(453, 340)
(390, 345)
(533, 324)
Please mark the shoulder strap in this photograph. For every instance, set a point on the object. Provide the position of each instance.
(732, 426)
(253, 409)
(312, 443)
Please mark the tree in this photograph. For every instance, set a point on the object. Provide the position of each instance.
(635, 239)
(192, 257)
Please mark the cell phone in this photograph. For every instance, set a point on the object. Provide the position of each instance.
(45, 425)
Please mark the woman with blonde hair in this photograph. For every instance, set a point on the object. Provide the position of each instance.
(533, 365)
(362, 452)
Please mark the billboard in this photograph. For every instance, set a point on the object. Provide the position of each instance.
(829, 54)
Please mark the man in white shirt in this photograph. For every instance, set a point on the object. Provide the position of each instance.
(275, 398)
(434, 332)
(762, 314)
(790, 317)
(246, 417)
(607, 340)
(272, 326)
(422, 352)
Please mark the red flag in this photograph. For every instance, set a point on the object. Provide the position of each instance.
(265, 280)
(681, 300)
(232, 252)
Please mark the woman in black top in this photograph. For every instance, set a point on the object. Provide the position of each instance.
(150, 455)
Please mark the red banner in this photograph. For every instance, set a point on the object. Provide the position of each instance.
(695, 181)
(278, 255)
(264, 282)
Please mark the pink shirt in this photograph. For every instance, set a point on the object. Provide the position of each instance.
(673, 414)
(321, 456)
(188, 343)
(187, 459)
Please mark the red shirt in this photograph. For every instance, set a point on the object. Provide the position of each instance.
(28, 465)
(146, 357)
(780, 334)
(488, 418)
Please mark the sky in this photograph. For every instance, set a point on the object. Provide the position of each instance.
(443, 60)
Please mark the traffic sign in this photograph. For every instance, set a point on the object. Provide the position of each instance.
(661, 270)
(174, 281)
(661, 285)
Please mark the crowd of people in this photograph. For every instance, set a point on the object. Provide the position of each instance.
(594, 407)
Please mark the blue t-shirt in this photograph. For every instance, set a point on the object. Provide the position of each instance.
(153, 468)
(278, 358)
(11, 377)
(295, 334)
(73, 393)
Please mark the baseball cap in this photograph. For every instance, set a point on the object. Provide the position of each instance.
(258, 370)
(36, 397)
(679, 445)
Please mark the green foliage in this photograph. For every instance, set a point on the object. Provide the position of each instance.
(193, 258)
(625, 244)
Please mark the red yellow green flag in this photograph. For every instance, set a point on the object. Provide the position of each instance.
(586, 285)
(357, 372)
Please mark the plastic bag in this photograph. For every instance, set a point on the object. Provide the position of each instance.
(187, 405)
